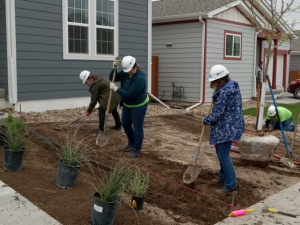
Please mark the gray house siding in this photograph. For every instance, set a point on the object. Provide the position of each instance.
(295, 63)
(42, 71)
(3, 48)
(181, 62)
(240, 71)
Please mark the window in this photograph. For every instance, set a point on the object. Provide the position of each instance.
(232, 45)
(90, 29)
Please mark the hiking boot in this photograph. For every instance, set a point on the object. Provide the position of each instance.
(127, 148)
(216, 182)
(115, 127)
(96, 131)
(133, 154)
(225, 191)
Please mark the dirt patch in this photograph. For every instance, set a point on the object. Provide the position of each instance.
(169, 145)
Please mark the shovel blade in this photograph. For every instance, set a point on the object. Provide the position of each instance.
(102, 138)
(191, 174)
(287, 162)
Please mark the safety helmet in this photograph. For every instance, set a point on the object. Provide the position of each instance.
(127, 63)
(84, 75)
(271, 111)
(217, 72)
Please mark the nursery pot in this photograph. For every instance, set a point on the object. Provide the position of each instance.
(139, 202)
(66, 175)
(12, 160)
(103, 213)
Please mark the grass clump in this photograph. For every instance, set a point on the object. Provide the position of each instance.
(73, 153)
(110, 186)
(14, 141)
(139, 184)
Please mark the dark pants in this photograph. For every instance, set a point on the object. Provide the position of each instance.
(102, 117)
(134, 116)
(227, 173)
(286, 125)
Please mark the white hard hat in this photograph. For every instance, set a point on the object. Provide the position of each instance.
(127, 63)
(84, 75)
(272, 111)
(217, 72)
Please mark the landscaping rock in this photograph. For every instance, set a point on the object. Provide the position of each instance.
(258, 151)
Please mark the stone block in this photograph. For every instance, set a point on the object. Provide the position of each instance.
(258, 151)
(3, 117)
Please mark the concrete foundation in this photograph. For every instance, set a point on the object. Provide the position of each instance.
(3, 117)
(258, 151)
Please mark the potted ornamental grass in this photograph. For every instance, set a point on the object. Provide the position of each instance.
(138, 187)
(12, 125)
(14, 146)
(107, 196)
(73, 155)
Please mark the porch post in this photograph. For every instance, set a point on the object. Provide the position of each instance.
(275, 65)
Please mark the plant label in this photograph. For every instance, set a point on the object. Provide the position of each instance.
(98, 208)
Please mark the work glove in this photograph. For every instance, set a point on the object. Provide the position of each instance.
(202, 120)
(116, 63)
(88, 113)
(113, 87)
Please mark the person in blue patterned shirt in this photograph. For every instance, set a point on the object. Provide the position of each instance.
(227, 124)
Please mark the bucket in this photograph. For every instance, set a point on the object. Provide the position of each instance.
(139, 202)
(66, 175)
(103, 213)
(13, 160)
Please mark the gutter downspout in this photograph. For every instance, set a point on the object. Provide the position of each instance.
(11, 51)
(202, 65)
(254, 80)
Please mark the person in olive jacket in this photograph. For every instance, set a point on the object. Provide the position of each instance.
(99, 88)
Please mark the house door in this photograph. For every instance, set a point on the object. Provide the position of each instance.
(279, 74)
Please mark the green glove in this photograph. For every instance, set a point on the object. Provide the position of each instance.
(202, 120)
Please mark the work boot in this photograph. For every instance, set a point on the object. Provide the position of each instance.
(133, 154)
(115, 127)
(225, 191)
(127, 148)
(216, 182)
(96, 131)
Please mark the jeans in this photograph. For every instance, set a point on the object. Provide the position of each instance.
(286, 125)
(227, 173)
(134, 116)
(102, 117)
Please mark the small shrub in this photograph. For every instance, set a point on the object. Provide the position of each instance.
(14, 141)
(12, 124)
(139, 184)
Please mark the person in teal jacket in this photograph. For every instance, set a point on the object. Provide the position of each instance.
(286, 118)
(134, 95)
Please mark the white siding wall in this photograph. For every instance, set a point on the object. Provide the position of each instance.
(241, 71)
(284, 46)
(295, 63)
(180, 63)
(232, 15)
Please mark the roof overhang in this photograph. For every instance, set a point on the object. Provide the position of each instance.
(177, 18)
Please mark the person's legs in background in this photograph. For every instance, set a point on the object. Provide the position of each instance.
(116, 117)
(138, 116)
(287, 126)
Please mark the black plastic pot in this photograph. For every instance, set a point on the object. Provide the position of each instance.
(66, 175)
(139, 202)
(12, 160)
(103, 213)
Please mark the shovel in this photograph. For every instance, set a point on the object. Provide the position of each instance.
(103, 136)
(193, 171)
(79, 118)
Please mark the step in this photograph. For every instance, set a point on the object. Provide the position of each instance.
(275, 91)
(2, 93)
(5, 104)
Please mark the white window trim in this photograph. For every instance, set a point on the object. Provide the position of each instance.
(232, 56)
(92, 45)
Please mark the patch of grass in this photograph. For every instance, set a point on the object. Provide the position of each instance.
(294, 108)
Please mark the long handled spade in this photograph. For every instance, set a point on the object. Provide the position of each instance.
(103, 136)
(285, 161)
(193, 171)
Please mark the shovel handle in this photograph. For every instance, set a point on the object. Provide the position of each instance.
(202, 133)
(110, 92)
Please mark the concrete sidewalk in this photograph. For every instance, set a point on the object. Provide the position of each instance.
(17, 210)
(286, 98)
(287, 200)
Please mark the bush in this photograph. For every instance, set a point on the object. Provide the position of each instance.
(12, 125)
(139, 184)
(14, 141)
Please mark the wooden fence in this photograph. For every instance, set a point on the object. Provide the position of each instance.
(294, 75)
